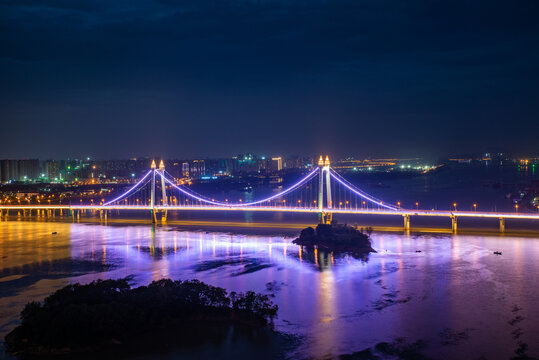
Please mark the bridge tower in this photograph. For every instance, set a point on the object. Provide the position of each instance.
(324, 216)
(321, 187)
(161, 172)
(152, 197)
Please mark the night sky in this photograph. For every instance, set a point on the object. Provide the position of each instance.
(117, 79)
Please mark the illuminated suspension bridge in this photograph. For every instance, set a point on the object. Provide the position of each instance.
(322, 191)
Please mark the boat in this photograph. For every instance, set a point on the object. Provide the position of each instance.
(497, 252)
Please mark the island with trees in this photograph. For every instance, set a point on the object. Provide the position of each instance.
(336, 237)
(109, 313)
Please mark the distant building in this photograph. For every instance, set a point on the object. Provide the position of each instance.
(276, 164)
(185, 169)
(246, 163)
(28, 169)
(197, 168)
(19, 170)
(52, 170)
(297, 162)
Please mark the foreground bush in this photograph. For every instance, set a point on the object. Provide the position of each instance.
(109, 311)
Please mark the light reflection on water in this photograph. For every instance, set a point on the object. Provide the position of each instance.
(336, 303)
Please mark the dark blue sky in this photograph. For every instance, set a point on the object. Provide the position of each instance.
(114, 79)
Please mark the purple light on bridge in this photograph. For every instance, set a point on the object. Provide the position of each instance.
(364, 196)
(130, 190)
(299, 183)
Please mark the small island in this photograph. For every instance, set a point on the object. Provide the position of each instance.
(109, 313)
(336, 237)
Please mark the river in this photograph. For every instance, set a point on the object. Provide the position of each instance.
(453, 300)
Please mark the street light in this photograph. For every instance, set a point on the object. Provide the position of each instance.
(475, 207)
(417, 205)
(455, 206)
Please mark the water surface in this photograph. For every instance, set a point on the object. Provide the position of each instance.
(455, 299)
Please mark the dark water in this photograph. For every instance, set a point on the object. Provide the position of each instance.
(453, 300)
(490, 186)
(487, 185)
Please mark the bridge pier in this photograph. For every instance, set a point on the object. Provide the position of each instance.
(406, 222)
(325, 217)
(502, 225)
(454, 223)
(164, 216)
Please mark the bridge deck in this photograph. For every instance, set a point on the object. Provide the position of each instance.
(385, 212)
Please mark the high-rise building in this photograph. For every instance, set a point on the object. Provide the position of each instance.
(185, 169)
(28, 169)
(19, 170)
(276, 163)
(51, 169)
(197, 168)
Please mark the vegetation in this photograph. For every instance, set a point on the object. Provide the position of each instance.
(108, 312)
(336, 237)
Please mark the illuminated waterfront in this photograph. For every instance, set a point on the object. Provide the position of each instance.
(455, 295)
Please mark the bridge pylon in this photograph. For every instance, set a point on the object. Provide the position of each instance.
(161, 172)
(152, 197)
(324, 213)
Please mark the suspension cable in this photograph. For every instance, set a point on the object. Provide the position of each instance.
(213, 202)
(354, 189)
(130, 190)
